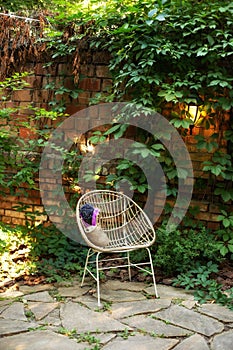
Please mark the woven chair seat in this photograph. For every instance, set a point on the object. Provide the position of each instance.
(120, 218)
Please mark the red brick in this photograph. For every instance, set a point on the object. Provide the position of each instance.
(106, 85)
(10, 104)
(26, 200)
(102, 72)
(39, 69)
(213, 225)
(72, 109)
(16, 221)
(64, 69)
(214, 209)
(25, 133)
(6, 220)
(34, 81)
(42, 95)
(6, 205)
(200, 174)
(41, 218)
(23, 95)
(200, 156)
(39, 208)
(87, 70)
(84, 97)
(203, 206)
(25, 108)
(205, 216)
(12, 199)
(90, 84)
(14, 214)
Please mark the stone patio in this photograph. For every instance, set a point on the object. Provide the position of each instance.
(58, 317)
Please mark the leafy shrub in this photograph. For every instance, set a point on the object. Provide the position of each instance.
(177, 251)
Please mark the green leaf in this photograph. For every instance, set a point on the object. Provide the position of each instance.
(226, 222)
(123, 165)
(182, 173)
(230, 247)
(161, 17)
(170, 97)
(221, 217)
(157, 146)
(145, 152)
(224, 250)
(152, 12)
(149, 22)
(210, 39)
(112, 129)
(225, 103)
(141, 188)
(184, 123)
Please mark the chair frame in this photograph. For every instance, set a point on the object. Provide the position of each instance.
(137, 233)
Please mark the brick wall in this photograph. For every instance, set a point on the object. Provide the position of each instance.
(94, 78)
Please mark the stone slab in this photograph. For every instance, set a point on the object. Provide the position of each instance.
(40, 296)
(40, 340)
(223, 341)
(217, 311)
(105, 337)
(4, 303)
(73, 292)
(40, 310)
(126, 309)
(195, 342)
(189, 304)
(169, 292)
(36, 288)
(141, 342)
(11, 294)
(156, 327)
(52, 319)
(75, 316)
(119, 296)
(10, 327)
(190, 319)
(88, 300)
(15, 312)
(126, 285)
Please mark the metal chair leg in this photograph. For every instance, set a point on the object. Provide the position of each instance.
(152, 271)
(98, 278)
(85, 267)
(129, 266)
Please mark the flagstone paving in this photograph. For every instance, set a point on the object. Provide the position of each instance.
(66, 316)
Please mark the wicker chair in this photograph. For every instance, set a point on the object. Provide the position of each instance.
(122, 226)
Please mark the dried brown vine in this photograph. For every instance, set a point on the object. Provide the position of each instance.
(19, 41)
